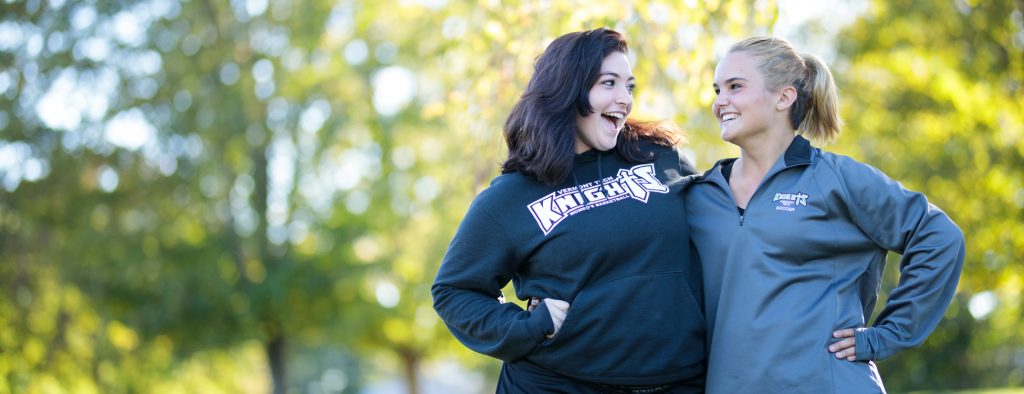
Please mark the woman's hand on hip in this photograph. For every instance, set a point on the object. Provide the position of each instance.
(846, 347)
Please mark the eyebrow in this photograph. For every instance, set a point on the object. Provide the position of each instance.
(616, 75)
(730, 80)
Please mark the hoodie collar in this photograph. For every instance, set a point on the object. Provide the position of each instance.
(591, 155)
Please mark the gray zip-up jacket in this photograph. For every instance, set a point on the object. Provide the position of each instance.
(805, 259)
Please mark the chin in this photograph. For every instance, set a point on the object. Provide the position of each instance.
(609, 145)
(727, 137)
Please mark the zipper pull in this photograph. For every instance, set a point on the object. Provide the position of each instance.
(741, 220)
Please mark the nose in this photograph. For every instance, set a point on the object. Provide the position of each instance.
(624, 98)
(720, 101)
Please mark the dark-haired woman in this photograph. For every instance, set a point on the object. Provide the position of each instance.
(588, 218)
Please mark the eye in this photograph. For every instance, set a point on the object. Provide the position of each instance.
(609, 83)
(735, 86)
(717, 90)
(631, 88)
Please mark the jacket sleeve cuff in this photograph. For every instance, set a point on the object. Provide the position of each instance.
(866, 340)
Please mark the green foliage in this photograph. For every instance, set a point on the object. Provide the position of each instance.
(274, 196)
(932, 96)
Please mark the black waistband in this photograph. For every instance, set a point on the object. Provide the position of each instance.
(635, 389)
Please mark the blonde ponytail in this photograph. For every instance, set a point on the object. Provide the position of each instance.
(821, 122)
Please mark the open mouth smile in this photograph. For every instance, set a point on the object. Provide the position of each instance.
(617, 119)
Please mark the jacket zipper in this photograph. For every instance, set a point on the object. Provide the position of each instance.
(763, 181)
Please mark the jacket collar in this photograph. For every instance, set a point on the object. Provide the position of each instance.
(798, 153)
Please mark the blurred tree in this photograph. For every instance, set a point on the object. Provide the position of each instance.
(445, 145)
(159, 151)
(932, 95)
(203, 176)
(191, 189)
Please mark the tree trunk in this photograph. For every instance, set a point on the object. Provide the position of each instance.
(275, 357)
(410, 365)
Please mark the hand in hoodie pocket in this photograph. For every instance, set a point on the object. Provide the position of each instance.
(558, 309)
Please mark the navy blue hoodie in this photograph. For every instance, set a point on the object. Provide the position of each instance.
(613, 241)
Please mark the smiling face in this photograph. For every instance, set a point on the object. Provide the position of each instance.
(744, 106)
(612, 100)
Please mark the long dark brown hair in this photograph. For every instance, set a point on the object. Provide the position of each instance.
(541, 130)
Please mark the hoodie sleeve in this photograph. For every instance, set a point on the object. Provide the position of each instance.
(685, 166)
(932, 249)
(480, 261)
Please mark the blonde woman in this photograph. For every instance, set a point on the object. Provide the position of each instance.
(792, 239)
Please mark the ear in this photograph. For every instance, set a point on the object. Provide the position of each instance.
(786, 98)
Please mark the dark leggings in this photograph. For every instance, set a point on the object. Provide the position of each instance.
(524, 377)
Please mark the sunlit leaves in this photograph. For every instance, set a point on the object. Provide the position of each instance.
(946, 120)
(264, 167)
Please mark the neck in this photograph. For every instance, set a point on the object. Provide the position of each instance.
(759, 154)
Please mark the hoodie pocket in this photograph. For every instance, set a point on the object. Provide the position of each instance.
(629, 329)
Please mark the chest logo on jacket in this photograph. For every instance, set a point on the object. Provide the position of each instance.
(789, 201)
(637, 183)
